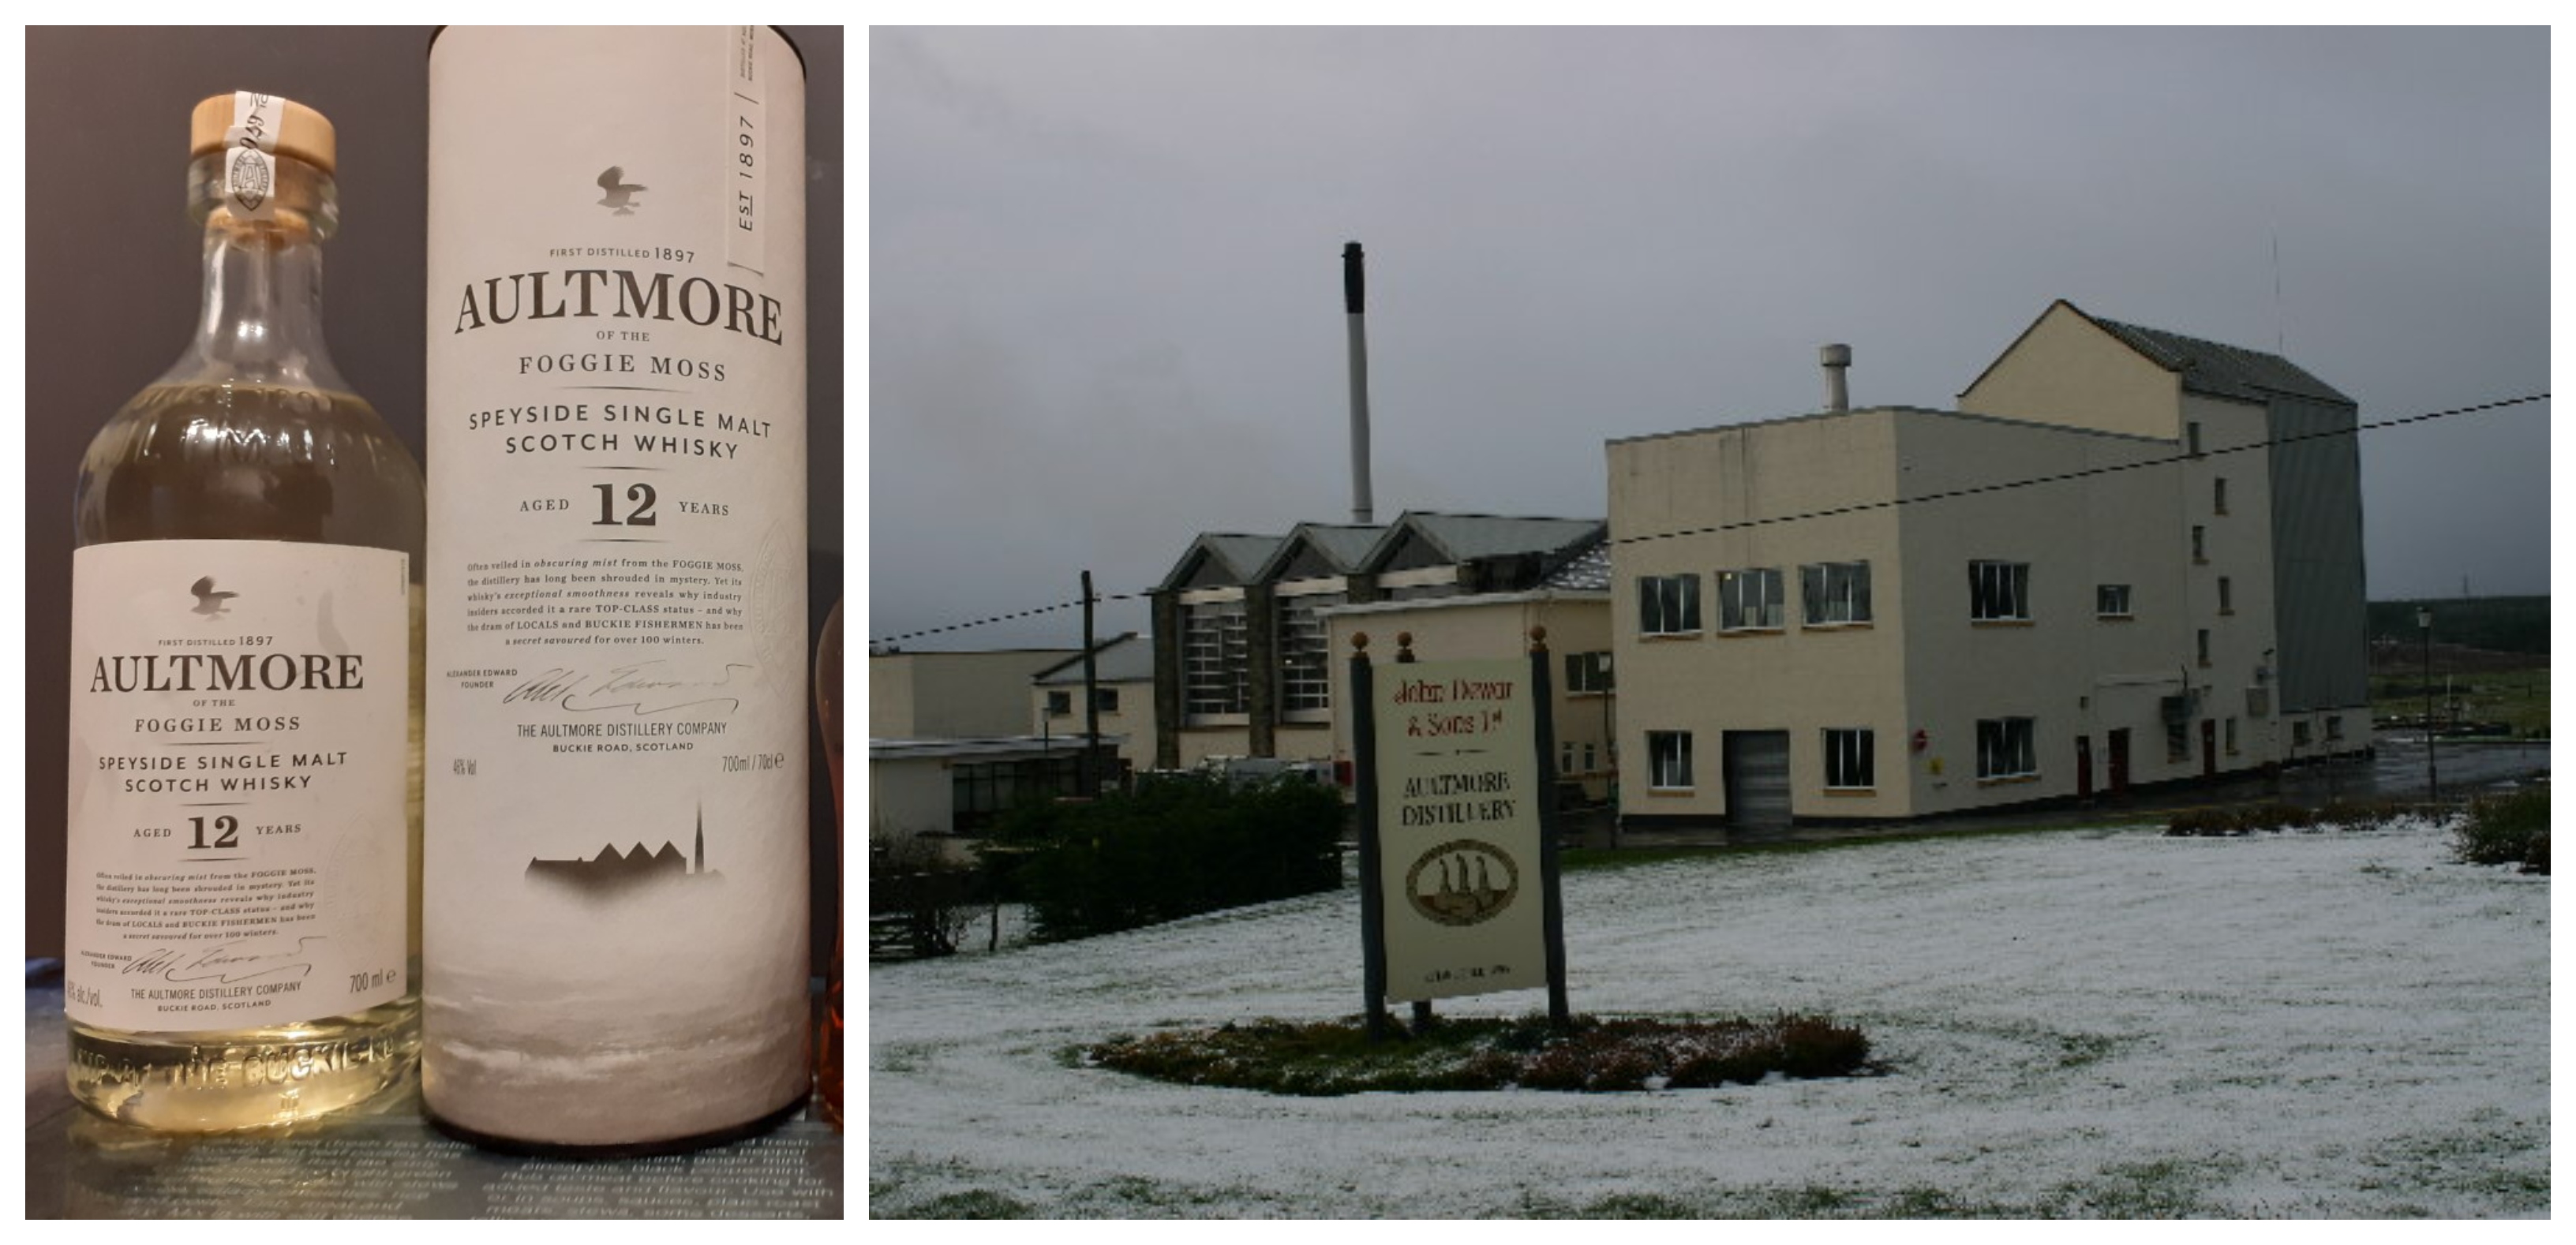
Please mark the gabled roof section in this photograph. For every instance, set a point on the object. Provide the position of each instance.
(1315, 549)
(1220, 559)
(2207, 367)
(2218, 369)
(1126, 658)
(1460, 537)
(1584, 568)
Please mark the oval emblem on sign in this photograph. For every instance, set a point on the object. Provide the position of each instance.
(1463, 882)
(248, 178)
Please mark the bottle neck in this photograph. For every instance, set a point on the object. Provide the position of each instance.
(261, 318)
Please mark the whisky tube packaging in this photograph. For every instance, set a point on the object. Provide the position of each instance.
(615, 860)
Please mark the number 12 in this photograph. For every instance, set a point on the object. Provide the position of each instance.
(640, 516)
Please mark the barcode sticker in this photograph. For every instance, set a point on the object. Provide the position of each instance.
(250, 161)
(745, 149)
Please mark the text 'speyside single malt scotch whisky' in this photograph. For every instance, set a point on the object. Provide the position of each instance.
(241, 946)
(616, 905)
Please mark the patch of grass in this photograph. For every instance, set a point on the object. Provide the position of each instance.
(2511, 829)
(970, 1204)
(2519, 698)
(1639, 1206)
(2079, 1049)
(2160, 1190)
(1331, 1058)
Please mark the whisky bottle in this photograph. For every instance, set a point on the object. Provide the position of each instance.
(829, 1033)
(615, 879)
(244, 817)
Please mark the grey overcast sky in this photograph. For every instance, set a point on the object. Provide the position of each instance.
(1105, 299)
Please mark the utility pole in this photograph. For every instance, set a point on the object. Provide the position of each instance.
(2432, 773)
(1088, 773)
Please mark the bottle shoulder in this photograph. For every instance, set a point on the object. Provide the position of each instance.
(220, 459)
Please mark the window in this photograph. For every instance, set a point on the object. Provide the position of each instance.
(2199, 543)
(1669, 760)
(1668, 604)
(2004, 748)
(2177, 716)
(1565, 762)
(2111, 600)
(1848, 761)
(1587, 673)
(1749, 599)
(2204, 645)
(1215, 657)
(2218, 500)
(2226, 596)
(2191, 438)
(980, 791)
(1106, 698)
(2231, 736)
(2334, 726)
(1591, 756)
(1305, 652)
(1059, 704)
(2299, 733)
(1999, 591)
(1834, 592)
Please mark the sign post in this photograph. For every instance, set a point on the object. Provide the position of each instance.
(1459, 889)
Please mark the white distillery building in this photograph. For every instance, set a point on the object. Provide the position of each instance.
(2182, 600)
(1122, 681)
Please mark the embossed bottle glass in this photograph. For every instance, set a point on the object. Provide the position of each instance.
(243, 939)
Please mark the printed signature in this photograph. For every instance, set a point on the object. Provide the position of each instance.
(225, 965)
(643, 688)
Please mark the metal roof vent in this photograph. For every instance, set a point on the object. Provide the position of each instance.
(1836, 358)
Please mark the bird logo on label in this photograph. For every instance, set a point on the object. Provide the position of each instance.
(620, 191)
(209, 602)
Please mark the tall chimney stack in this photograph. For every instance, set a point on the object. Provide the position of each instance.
(1836, 358)
(1353, 290)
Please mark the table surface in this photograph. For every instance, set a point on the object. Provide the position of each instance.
(385, 1161)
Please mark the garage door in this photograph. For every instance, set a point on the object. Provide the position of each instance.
(1757, 779)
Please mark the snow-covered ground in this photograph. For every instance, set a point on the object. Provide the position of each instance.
(2103, 1023)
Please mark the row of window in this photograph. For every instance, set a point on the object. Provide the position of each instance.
(1838, 592)
(1216, 655)
(1754, 598)
(1060, 703)
(2005, 749)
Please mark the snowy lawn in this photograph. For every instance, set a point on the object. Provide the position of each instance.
(2087, 1023)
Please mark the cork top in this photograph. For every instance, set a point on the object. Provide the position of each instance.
(301, 132)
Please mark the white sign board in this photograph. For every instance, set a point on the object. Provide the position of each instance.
(1458, 791)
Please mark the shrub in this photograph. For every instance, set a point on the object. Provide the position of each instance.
(920, 903)
(1172, 848)
(2510, 829)
(2275, 817)
(2201, 822)
(2364, 814)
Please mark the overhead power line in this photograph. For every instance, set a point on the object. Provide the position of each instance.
(2064, 476)
(1856, 507)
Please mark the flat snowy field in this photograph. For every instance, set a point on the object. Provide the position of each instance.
(2085, 1023)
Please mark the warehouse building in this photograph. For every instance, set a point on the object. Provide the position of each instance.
(1243, 662)
(2181, 600)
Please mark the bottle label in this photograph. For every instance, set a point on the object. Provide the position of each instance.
(615, 879)
(238, 835)
(250, 156)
